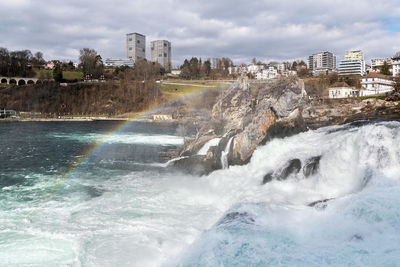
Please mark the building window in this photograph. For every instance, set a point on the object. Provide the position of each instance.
(130, 48)
(165, 54)
(165, 44)
(143, 49)
(160, 55)
(130, 39)
(138, 41)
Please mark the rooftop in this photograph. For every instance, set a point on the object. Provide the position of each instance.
(340, 84)
(135, 33)
(378, 75)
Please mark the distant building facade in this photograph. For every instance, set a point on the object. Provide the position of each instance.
(352, 64)
(375, 84)
(135, 46)
(342, 90)
(160, 51)
(267, 74)
(377, 64)
(322, 62)
(396, 64)
(118, 62)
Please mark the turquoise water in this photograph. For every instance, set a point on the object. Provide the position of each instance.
(122, 206)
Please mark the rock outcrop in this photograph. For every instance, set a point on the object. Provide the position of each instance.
(280, 108)
(233, 107)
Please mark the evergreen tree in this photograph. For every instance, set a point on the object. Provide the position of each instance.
(385, 70)
(57, 73)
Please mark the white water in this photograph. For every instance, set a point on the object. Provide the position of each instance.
(225, 154)
(152, 219)
(206, 146)
(125, 138)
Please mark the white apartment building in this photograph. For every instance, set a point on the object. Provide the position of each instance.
(322, 62)
(352, 64)
(160, 51)
(342, 90)
(377, 64)
(242, 69)
(267, 74)
(135, 46)
(118, 62)
(396, 64)
(255, 68)
(375, 84)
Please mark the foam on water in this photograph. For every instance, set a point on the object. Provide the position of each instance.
(206, 146)
(124, 138)
(155, 217)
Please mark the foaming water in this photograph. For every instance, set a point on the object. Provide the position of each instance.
(111, 212)
(124, 138)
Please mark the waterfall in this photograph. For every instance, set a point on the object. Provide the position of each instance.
(225, 154)
(206, 147)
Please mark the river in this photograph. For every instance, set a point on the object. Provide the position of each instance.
(100, 194)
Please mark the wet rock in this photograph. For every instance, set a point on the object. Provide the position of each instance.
(357, 237)
(292, 167)
(195, 165)
(311, 166)
(267, 178)
(276, 101)
(94, 192)
(194, 146)
(243, 217)
(320, 204)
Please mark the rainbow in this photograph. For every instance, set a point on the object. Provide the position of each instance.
(96, 149)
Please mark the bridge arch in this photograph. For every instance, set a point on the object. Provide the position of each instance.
(21, 82)
(30, 82)
(12, 81)
(4, 80)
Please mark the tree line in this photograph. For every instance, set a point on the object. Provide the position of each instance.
(215, 68)
(19, 63)
(111, 98)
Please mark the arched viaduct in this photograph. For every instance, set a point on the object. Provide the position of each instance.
(20, 80)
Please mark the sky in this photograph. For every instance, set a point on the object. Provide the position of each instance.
(279, 30)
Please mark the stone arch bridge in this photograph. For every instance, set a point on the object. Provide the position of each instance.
(21, 81)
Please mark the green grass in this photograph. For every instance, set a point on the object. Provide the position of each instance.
(174, 91)
(68, 75)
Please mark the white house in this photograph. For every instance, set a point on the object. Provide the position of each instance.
(118, 62)
(255, 68)
(242, 69)
(342, 90)
(396, 64)
(267, 74)
(176, 72)
(375, 84)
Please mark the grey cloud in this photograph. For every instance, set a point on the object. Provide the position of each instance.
(279, 30)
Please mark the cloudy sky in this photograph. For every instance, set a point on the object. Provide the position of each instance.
(267, 30)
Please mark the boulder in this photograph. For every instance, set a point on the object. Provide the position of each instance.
(233, 107)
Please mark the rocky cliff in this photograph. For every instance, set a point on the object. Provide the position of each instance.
(242, 119)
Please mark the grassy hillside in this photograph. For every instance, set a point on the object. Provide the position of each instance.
(68, 75)
(176, 89)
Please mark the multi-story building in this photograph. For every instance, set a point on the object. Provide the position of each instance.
(396, 64)
(255, 68)
(135, 46)
(377, 64)
(266, 74)
(160, 51)
(375, 84)
(118, 62)
(322, 62)
(352, 64)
